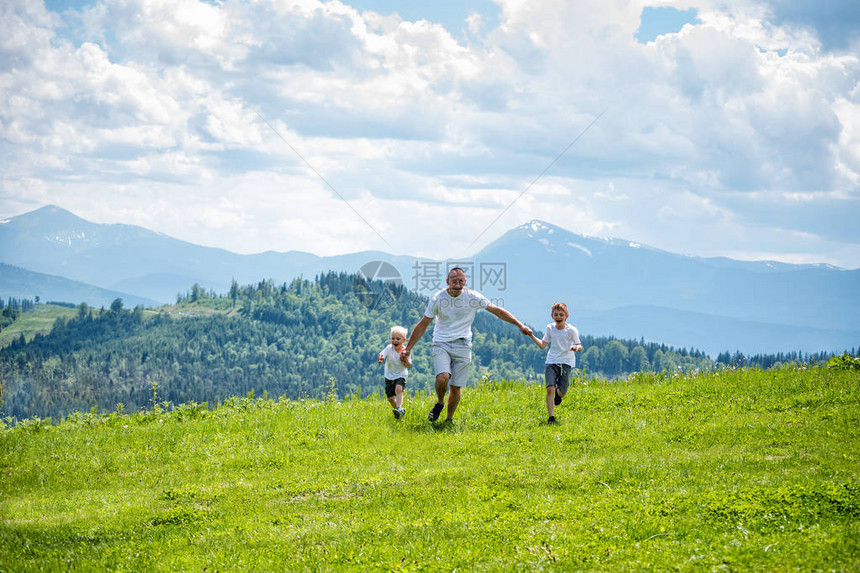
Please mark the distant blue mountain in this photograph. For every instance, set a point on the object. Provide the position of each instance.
(19, 283)
(712, 303)
(151, 265)
(712, 333)
(616, 287)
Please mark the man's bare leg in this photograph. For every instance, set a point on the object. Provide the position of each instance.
(442, 386)
(453, 402)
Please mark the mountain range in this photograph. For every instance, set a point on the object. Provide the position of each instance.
(631, 290)
(613, 287)
(143, 263)
(19, 283)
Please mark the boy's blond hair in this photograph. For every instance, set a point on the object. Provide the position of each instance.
(398, 330)
(562, 306)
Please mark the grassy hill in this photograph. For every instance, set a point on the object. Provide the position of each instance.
(39, 321)
(743, 470)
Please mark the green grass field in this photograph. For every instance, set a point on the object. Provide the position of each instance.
(742, 470)
(40, 320)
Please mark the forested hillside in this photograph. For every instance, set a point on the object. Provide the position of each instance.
(292, 340)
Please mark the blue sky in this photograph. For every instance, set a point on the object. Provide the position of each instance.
(656, 21)
(452, 14)
(714, 128)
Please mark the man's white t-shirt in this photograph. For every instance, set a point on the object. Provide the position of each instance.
(394, 367)
(560, 342)
(454, 315)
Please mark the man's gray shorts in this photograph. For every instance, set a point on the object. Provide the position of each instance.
(453, 357)
(558, 375)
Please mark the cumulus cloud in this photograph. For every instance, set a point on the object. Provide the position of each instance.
(836, 23)
(256, 120)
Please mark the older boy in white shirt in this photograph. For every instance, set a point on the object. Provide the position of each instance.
(563, 341)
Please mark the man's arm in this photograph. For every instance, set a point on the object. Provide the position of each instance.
(417, 332)
(508, 317)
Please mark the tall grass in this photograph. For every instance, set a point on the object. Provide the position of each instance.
(742, 470)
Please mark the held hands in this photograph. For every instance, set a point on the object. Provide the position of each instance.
(404, 355)
(541, 344)
(525, 330)
(576, 347)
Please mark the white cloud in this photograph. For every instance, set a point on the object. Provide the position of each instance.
(691, 210)
(148, 108)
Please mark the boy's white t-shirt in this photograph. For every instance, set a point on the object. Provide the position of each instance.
(454, 315)
(394, 367)
(560, 342)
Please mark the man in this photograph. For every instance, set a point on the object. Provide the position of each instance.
(454, 310)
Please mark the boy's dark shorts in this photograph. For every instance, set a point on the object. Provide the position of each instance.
(558, 375)
(390, 384)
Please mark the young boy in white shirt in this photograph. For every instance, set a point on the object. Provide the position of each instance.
(396, 370)
(563, 341)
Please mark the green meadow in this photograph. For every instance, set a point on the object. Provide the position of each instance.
(38, 321)
(738, 470)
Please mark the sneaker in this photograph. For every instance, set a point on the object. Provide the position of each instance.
(402, 411)
(434, 413)
(558, 398)
(551, 420)
(396, 412)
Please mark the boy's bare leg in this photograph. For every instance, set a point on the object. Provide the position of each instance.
(398, 396)
(550, 400)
